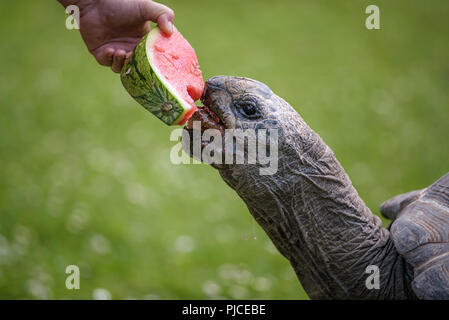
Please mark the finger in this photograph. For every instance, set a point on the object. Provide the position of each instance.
(104, 56)
(128, 55)
(158, 13)
(119, 59)
(164, 24)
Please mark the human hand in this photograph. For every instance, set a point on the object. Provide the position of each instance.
(112, 28)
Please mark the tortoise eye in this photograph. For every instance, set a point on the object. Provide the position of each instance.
(249, 109)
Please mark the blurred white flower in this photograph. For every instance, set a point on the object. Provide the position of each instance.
(78, 218)
(4, 250)
(232, 272)
(123, 169)
(184, 244)
(262, 284)
(238, 292)
(101, 294)
(99, 159)
(99, 244)
(136, 193)
(64, 173)
(242, 276)
(38, 290)
(151, 296)
(211, 289)
(21, 239)
(227, 271)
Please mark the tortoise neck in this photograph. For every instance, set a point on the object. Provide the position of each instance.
(315, 217)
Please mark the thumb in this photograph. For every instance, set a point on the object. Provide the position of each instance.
(158, 13)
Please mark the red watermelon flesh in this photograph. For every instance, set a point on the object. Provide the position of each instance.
(176, 60)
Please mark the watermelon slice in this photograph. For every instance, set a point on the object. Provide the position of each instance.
(163, 75)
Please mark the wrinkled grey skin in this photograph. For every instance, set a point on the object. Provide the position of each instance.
(315, 217)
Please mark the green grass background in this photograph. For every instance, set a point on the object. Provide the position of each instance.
(85, 176)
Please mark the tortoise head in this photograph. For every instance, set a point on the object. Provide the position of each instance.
(253, 115)
(246, 114)
(241, 103)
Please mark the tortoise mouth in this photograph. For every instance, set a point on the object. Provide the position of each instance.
(207, 118)
(204, 118)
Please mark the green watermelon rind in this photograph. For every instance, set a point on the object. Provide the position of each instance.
(148, 86)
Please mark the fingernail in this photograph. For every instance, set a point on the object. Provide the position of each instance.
(170, 27)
